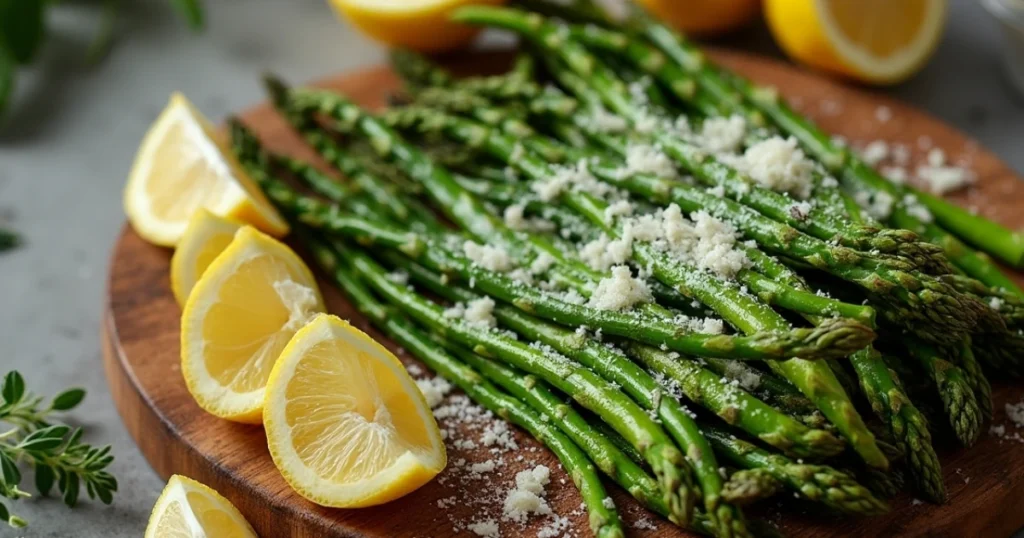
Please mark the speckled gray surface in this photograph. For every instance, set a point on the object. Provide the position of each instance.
(65, 151)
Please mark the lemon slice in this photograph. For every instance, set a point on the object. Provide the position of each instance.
(182, 166)
(188, 509)
(206, 236)
(346, 425)
(421, 25)
(875, 41)
(240, 315)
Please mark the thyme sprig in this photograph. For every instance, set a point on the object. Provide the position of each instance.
(54, 451)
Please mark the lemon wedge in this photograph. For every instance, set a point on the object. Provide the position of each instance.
(240, 315)
(874, 41)
(188, 509)
(206, 236)
(182, 166)
(421, 25)
(346, 425)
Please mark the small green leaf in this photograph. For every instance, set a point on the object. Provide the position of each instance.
(105, 495)
(71, 490)
(13, 387)
(44, 439)
(8, 239)
(16, 522)
(9, 472)
(22, 27)
(69, 399)
(44, 479)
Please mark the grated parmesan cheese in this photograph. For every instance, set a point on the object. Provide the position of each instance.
(916, 209)
(478, 313)
(723, 134)
(1015, 412)
(620, 291)
(620, 208)
(488, 257)
(434, 390)
(780, 165)
(575, 177)
(603, 121)
(488, 528)
(649, 159)
(875, 152)
(878, 205)
(527, 497)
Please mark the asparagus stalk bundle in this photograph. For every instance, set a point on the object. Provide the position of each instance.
(717, 383)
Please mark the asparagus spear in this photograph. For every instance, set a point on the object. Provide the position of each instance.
(906, 424)
(964, 358)
(819, 483)
(748, 486)
(957, 396)
(604, 520)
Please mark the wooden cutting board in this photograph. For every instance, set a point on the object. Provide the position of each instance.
(141, 356)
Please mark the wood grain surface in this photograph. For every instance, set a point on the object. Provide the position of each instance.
(141, 352)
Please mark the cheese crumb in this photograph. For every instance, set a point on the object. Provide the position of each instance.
(434, 390)
(916, 209)
(527, 497)
(875, 152)
(620, 291)
(648, 159)
(488, 257)
(723, 134)
(478, 313)
(780, 165)
(878, 205)
(1015, 412)
(488, 528)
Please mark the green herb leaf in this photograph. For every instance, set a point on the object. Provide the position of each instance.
(13, 387)
(8, 239)
(71, 490)
(45, 439)
(9, 472)
(44, 479)
(68, 399)
(22, 27)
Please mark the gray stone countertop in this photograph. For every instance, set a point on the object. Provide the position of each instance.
(66, 148)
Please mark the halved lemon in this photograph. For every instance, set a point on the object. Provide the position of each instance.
(875, 41)
(188, 509)
(421, 25)
(346, 425)
(182, 166)
(206, 236)
(243, 311)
